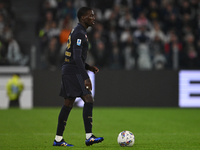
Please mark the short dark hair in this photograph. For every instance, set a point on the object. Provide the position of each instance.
(82, 11)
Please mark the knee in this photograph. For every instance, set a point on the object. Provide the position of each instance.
(69, 103)
(88, 99)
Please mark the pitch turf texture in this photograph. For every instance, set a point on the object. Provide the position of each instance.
(154, 128)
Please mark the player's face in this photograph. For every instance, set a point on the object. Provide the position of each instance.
(89, 18)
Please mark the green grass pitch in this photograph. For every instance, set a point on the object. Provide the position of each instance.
(154, 128)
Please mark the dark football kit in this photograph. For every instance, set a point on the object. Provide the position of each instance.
(74, 71)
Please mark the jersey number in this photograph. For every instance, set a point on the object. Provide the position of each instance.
(69, 42)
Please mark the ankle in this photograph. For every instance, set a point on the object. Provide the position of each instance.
(88, 135)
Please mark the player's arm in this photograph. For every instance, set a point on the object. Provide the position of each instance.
(79, 63)
(77, 51)
(91, 68)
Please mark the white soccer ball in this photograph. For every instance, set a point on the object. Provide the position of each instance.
(126, 138)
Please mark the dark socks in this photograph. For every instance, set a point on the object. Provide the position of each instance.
(62, 119)
(87, 117)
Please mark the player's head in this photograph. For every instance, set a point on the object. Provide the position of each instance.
(16, 75)
(86, 15)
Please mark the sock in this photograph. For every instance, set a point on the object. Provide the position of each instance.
(62, 119)
(58, 138)
(88, 135)
(87, 117)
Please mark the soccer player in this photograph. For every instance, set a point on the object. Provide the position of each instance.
(75, 80)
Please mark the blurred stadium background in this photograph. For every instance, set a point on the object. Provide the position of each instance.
(148, 51)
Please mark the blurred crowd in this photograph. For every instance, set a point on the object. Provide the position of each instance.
(10, 52)
(128, 34)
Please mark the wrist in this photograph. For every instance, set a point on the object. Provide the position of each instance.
(87, 67)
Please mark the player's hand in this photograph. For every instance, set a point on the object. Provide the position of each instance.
(94, 69)
(88, 84)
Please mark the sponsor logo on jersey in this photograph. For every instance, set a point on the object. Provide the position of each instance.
(79, 42)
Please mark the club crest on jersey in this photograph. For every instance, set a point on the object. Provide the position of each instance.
(79, 42)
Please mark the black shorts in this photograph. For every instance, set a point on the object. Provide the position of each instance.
(72, 86)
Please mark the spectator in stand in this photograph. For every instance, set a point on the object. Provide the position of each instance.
(129, 53)
(187, 21)
(54, 31)
(194, 4)
(79, 3)
(198, 49)
(189, 41)
(144, 60)
(7, 33)
(63, 39)
(157, 53)
(97, 35)
(187, 13)
(125, 3)
(125, 35)
(173, 23)
(3, 53)
(127, 21)
(173, 52)
(156, 31)
(138, 8)
(47, 15)
(111, 17)
(14, 55)
(159, 61)
(143, 21)
(100, 55)
(168, 9)
(52, 54)
(2, 24)
(66, 20)
(48, 5)
(49, 19)
(113, 35)
(157, 46)
(52, 3)
(186, 30)
(5, 10)
(141, 35)
(44, 37)
(44, 25)
(116, 59)
(68, 9)
(191, 57)
(65, 33)
(153, 11)
(103, 5)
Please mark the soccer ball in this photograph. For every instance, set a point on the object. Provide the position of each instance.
(126, 138)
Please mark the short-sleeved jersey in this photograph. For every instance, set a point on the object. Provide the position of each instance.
(76, 52)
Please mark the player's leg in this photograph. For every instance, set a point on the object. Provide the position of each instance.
(14, 103)
(87, 114)
(87, 118)
(62, 120)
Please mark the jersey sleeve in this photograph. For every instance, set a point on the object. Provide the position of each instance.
(77, 52)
